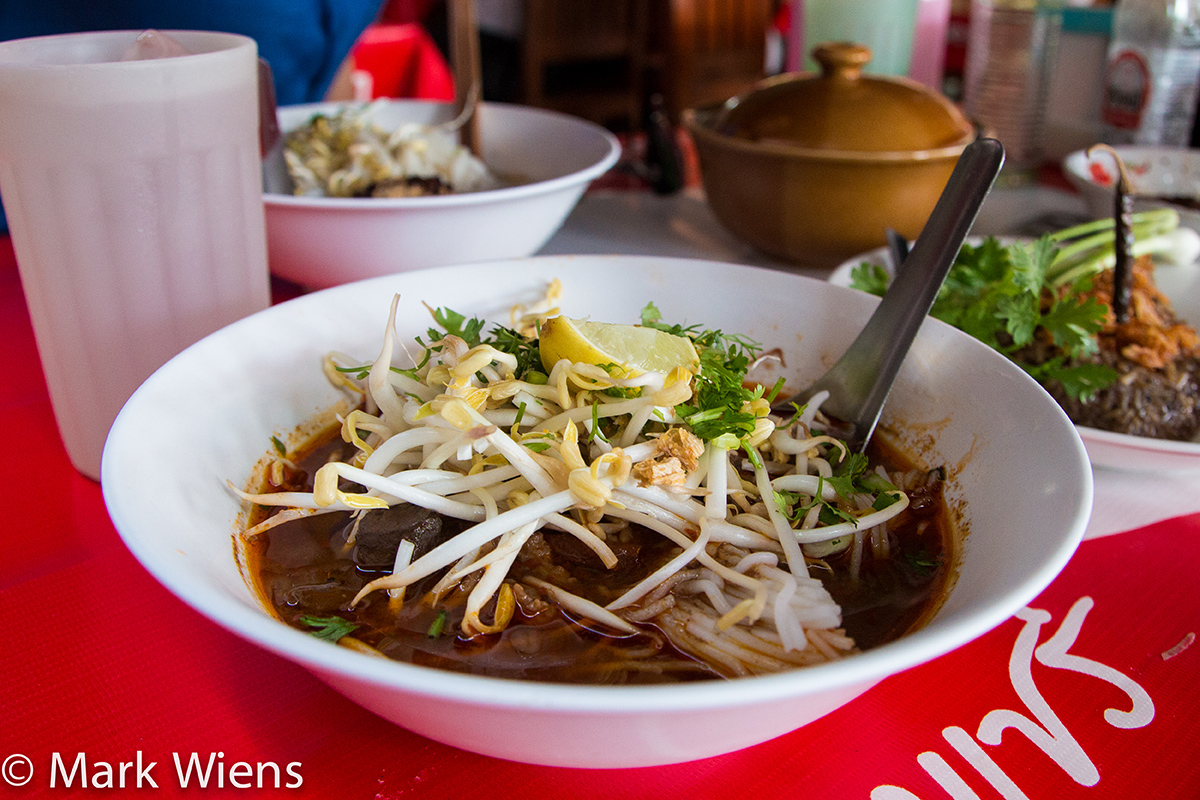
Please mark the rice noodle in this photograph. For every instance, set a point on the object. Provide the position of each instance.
(582, 606)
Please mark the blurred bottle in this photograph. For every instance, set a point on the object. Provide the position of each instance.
(1010, 54)
(1153, 72)
(664, 158)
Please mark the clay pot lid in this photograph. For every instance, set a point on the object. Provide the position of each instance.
(841, 109)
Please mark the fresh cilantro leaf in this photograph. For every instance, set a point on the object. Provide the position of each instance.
(471, 331)
(506, 340)
(331, 629)
(1029, 266)
(651, 315)
(842, 484)
(1074, 326)
(457, 325)
(832, 515)
(871, 278)
(1021, 315)
(1083, 380)
(852, 466)
(652, 318)
(786, 503)
(720, 391)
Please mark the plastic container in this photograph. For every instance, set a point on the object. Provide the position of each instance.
(1010, 54)
(1153, 73)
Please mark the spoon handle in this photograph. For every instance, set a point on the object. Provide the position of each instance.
(860, 381)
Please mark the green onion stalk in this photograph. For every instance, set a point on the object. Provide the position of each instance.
(1088, 249)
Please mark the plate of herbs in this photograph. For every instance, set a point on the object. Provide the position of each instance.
(1133, 389)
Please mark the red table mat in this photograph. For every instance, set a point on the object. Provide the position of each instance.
(101, 660)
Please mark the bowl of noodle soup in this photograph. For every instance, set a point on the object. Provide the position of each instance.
(958, 409)
(537, 163)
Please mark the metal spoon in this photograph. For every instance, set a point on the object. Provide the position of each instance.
(859, 382)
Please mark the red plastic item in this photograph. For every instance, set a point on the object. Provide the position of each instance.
(1089, 693)
(403, 61)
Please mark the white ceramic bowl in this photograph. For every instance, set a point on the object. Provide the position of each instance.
(1019, 479)
(1155, 171)
(1181, 284)
(325, 241)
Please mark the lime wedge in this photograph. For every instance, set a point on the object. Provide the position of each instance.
(631, 348)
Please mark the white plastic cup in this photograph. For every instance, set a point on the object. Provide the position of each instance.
(886, 26)
(133, 191)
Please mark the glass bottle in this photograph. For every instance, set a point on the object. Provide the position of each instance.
(1153, 73)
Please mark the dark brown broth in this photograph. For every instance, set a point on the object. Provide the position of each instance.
(304, 569)
(898, 594)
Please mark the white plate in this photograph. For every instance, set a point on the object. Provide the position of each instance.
(1181, 284)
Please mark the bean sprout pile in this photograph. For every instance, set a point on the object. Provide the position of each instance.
(346, 154)
(477, 428)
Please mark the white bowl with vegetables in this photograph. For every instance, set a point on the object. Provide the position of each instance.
(583, 432)
(435, 203)
(1136, 406)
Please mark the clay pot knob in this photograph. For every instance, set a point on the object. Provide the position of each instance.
(842, 60)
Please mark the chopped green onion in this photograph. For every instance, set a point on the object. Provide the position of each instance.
(438, 625)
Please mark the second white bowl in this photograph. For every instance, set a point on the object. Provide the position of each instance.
(324, 241)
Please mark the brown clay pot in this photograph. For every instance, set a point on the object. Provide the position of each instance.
(812, 168)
